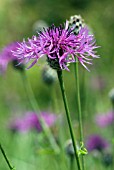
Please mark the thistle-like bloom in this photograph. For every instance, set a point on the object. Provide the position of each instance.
(96, 142)
(6, 57)
(104, 120)
(31, 121)
(60, 45)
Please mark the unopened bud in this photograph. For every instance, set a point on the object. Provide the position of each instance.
(107, 159)
(111, 95)
(69, 148)
(49, 75)
(77, 23)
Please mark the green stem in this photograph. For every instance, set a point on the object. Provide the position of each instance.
(29, 92)
(35, 107)
(71, 163)
(79, 107)
(5, 156)
(60, 77)
(113, 138)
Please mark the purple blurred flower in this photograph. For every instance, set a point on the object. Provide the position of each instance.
(60, 45)
(31, 120)
(98, 82)
(96, 142)
(6, 56)
(104, 120)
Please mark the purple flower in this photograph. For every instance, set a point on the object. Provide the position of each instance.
(98, 83)
(6, 56)
(31, 120)
(96, 142)
(104, 120)
(60, 45)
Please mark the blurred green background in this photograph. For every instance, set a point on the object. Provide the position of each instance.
(17, 18)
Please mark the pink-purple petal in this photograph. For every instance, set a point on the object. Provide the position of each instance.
(59, 43)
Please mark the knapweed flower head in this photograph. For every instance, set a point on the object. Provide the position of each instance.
(60, 45)
(103, 120)
(6, 57)
(96, 142)
(31, 120)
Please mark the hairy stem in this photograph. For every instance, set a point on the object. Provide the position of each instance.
(60, 77)
(79, 107)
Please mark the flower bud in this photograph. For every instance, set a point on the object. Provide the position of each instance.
(69, 148)
(77, 22)
(49, 75)
(111, 95)
(107, 159)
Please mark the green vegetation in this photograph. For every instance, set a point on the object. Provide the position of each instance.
(32, 150)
